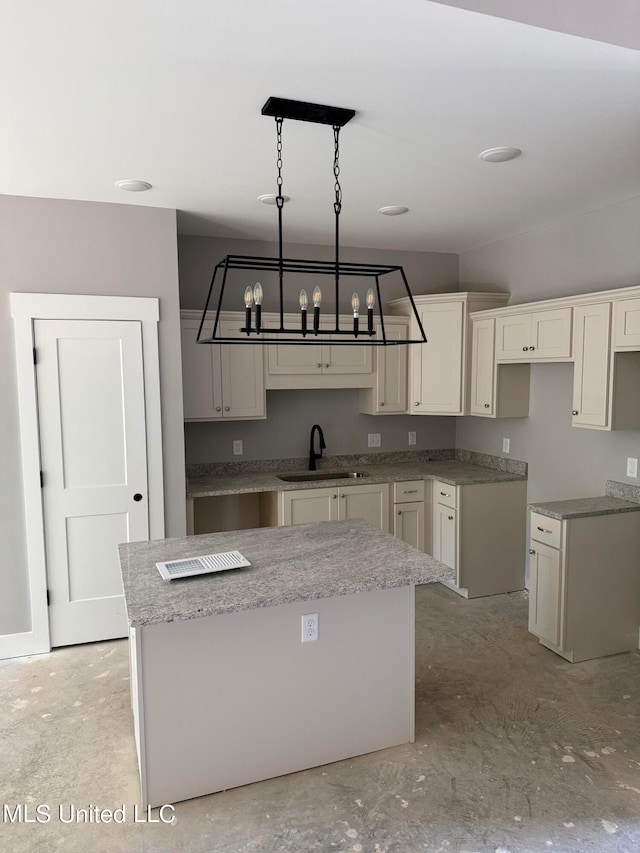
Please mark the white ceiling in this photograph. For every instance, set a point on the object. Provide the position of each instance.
(170, 92)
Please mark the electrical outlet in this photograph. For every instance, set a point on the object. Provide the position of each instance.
(309, 627)
(412, 438)
(374, 439)
(237, 448)
(632, 466)
(506, 445)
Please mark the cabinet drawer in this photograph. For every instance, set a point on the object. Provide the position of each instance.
(410, 490)
(545, 529)
(444, 493)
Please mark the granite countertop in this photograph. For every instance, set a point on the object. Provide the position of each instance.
(584, 507)
(449, 470)
(302, 562)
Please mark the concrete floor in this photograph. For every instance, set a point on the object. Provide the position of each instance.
(516, 750)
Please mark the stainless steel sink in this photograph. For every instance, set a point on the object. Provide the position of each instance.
(312, 476)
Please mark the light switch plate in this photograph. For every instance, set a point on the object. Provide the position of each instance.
(374, 439)
(506, 445)
(412, 438)
(237, 448)
(632, 466)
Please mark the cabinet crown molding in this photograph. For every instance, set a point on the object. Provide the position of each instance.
(614, 295)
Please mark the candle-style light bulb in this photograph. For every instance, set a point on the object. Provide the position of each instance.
(317, 299)
(355, 305)
(303, 310)
(257, 298)
(248, 302)
(371, 301)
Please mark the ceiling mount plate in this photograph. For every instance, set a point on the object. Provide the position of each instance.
(303, 111)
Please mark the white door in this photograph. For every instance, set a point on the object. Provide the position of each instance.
(408, 523)
(436, 368)
(91, 411)
(391, 370)
(591, 340)
(445, 536)
(242, 370)
(482, 367)
(201, 374)
(309, 505)
(545, 592)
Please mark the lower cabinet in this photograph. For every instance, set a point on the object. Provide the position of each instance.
(480, 531)
(303, 506)
(584, 599)
(409, 512)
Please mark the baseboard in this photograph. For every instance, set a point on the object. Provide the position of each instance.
(19, 645)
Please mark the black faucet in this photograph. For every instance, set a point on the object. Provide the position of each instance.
(312, 454)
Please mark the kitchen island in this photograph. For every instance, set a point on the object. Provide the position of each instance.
(224, 691)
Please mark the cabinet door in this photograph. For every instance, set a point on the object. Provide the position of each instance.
(408, 523)
(346, 359)
(513, 337)
(445, 535)
(626, 323)
(591, 337)
(242, 371)
(436, 368)
(308, 505)
(545, 592)
(550, 334)
(391, 370)
(291, 360)
(368, 502)
(483, 367)
(201, 377)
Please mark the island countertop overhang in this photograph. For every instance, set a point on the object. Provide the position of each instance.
(303, 562)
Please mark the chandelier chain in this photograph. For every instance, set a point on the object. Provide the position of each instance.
(337, 206)
(280, 198)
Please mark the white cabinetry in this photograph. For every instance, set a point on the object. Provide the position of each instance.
(479, 530)
(439, 369)
(220, 380)
(319, 364)
(497, 390)
(584, 599)
(388, 395)
(409, 512)
(591, 349)
(302, 506)
(534, 335)
(626, 323)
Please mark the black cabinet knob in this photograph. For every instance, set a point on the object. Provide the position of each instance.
(137, 496)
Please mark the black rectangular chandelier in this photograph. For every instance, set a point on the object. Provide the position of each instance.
(304, 329)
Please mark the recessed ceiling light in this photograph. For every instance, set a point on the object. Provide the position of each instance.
(270, 198)
(393, 210)
(134, 186)
(500, 155)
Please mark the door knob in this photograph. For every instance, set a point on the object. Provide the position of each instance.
(318, 364)
(486, 405)
(137, 496)
(575, 412)
(226, 408)
(531, 551)
(524, 349)
(532, 348)
(327, 364)
(381, 403)
(416, 404)
(450, 517)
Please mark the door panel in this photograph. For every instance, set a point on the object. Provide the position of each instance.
(201, 381)
(436, 367)
(513, 336)
(310, 505)
(391, 370)
(445, 536)
(551, 333)
(482, 367)
(591, 369)
(242, 377)
(368, 502)
(93, 454)
(544, 596)
(409, 523)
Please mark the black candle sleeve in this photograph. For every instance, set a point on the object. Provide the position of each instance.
(356, 324)
(247, 320)
(316, 318)
(303, 321)
(258, 317)
(370, 320)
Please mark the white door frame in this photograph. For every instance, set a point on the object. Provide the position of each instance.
(25, 308)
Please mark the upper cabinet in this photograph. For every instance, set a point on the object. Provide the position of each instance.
(388, 396)
(320, 364)
(599, 332)
(534, 335)
(626, 323)
(220, 380)
(439, 370)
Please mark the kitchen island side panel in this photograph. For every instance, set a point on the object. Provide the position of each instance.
(236, 698)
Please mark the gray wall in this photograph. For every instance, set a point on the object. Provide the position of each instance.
(596, 251)
(290, 414)
(53, 246)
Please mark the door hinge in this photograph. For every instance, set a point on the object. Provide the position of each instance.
(41, 480)
(48, 598)
(35, 355)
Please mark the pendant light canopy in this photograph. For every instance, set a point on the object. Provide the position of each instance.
(283, 296)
